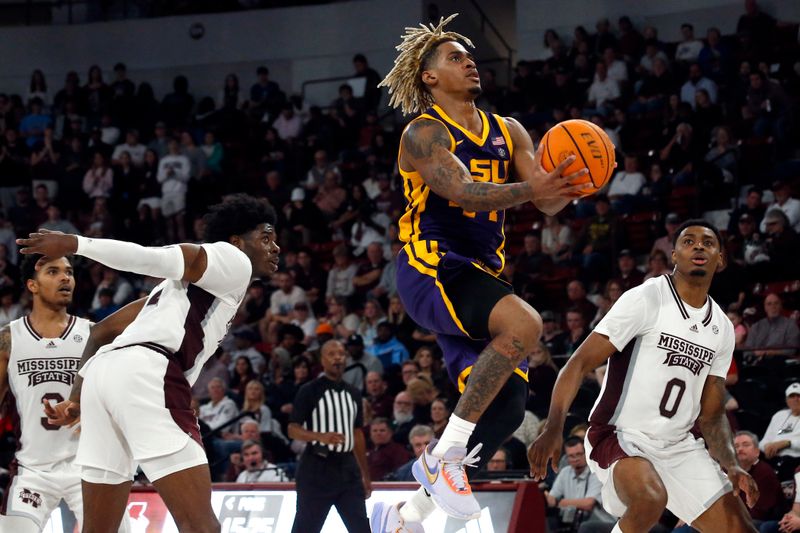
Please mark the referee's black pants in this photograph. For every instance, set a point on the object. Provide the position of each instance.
(331, 481)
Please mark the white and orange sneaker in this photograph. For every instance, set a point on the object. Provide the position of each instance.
(385, 518)
(446, 481)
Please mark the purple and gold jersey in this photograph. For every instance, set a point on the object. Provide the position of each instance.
(429, 217)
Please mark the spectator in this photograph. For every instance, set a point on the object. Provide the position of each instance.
(774, 334)
(176, 107)
(369, 272)
(597, 240)
(243, 374)
(266, 96)
(359, 364)
(305, 320)
(781, 243)
(32, 126)
(37, 87)
(542, 374)
(289, 345)
(739, 327)
(160, 142)
(498, 462)
(652, 52)
(386, 455)
(629, 274)
(228, 445)
(213, 153)
(419, 438)
(689, 48)
(603, 92)
(423, 393)
(409, 370)
(531, 264)
(282, 390)
(759, 26)
(631, 42)
(55, 222)
(576, 330)
(724, 154)
(9, 309)
(576, 492)
(617, 70)
(338, 316)
(770, 500)
(402, 416)
(657, 265)
(99, 179)
(387, 285)
(576, 299)
(135, 149)
(330, 196)
(782, 437)
(765, 108)
(604, 38)
(257, 470)
(671, 223)
(430, 367)
(230, 97)
(695, 83)
(626, 186)
(440, 413)
(753, 207)
(213, 368)
(372, 94)
(368, 326)
(783, 201)
(244, 341)
(557, 239)
(288, 125)
(552, 336)
(196, 156)
(281, 304)
(321, 167)
(174, 171)
(386, 348)
(220, 410)
(380, 401)
(304, 221)
(121, 289)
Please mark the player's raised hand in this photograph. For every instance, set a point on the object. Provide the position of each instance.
(49, 244)
(546, 447)
(552, 185)
(742, 481)
(66, 413)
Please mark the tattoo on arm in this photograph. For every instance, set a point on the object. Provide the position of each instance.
(717, 431)
(5, 341)
(428, 142)
(493, 368)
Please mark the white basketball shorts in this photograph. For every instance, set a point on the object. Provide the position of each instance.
(694, 481)
(136, 408)
(34, 494)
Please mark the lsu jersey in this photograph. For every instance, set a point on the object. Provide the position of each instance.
(44, 369)
(431, 218)
(667, 350)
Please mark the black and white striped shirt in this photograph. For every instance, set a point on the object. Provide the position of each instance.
(329, 406)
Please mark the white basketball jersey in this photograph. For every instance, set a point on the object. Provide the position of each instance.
(44, 369)
(187, 321)
(667, 348)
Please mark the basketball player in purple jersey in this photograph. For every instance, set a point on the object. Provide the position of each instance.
(457, 164)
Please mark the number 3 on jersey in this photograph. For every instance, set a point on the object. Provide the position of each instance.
(487, 171)
(58, 399)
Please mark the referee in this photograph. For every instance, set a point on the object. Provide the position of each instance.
(327, 413)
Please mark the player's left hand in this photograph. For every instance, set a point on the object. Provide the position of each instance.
(742, 481)
(49, 244)
(66, 413)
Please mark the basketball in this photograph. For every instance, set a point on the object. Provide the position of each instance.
(591, 146)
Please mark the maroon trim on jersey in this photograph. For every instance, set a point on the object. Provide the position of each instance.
(618, 366)
(70, 325)
(151, 346)
(707, 319)
(606, 449)
(30, 328)
(178, 399)
(678, 301)
(193, 337)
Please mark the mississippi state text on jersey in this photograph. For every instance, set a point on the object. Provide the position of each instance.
(667, 349)
(44, 369)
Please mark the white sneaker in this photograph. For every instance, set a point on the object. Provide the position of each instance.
(446, 481)
(385, 518)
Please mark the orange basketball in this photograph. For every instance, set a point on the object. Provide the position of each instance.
(591, 146)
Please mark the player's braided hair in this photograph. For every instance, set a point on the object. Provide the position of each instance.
(406, 89)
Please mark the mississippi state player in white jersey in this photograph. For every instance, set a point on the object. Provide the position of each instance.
(668, 346)
(140, 363)
(39, 358)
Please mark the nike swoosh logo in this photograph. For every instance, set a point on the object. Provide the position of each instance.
(432, 476)
(459, 142)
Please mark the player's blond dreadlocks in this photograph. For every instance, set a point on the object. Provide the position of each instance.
(405, 85)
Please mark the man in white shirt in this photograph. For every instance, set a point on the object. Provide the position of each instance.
(134, 148)
(782, 437)
(603, 89)
(617, 69)
(689, 49)
(696, 82)
(257, 470)
(626, 185)
(783, 201)
(220, 409)
(174, 170)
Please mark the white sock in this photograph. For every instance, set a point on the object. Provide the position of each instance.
(457, 433)
(616, 528)
(418, 507)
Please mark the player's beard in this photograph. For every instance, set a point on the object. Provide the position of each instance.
(698, 273)
(475, 91)
(401, 417)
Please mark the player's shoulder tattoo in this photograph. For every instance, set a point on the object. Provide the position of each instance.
(423, 135)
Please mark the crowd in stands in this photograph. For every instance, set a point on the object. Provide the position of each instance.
(705, 126)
